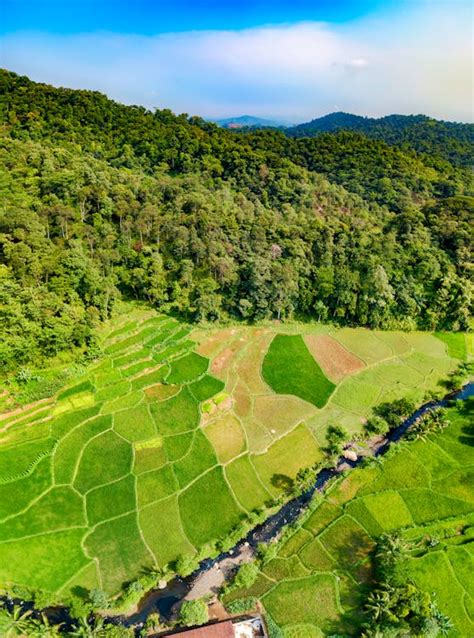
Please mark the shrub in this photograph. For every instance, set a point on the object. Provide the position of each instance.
(241, 605)
(193, 612)
(247, 575)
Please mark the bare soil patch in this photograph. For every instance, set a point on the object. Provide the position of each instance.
(336, 362)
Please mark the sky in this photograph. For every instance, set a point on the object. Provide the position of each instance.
(292, 60)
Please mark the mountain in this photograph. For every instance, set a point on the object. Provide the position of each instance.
(103, 202)
(450, 140)
(249, 121)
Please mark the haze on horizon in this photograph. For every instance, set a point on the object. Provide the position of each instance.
(290, 61)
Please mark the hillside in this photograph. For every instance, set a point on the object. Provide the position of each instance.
(450, 140)
(103, 201)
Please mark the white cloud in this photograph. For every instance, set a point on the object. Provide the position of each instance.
(416, 60)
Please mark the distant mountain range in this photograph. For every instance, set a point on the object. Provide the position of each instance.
(424, 134)
(249, 121)
(421, 133)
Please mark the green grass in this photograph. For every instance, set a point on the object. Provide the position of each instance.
(309, 600)
(167, 541)
(135, 424)
(178, 414)
(455, 342)
(150, 378)
(128, 469)
(289, 368)
(245, 484)
(156, 485)
(119, 549)
(199, 459)
(413, 493)
(206, 388)
(18, 494)
(279, 466)
(104, 459)
(177, 445)
(389, 510)
(187, 368)
(56, 557)
(208, 509)
(70, 447)
(150, 458)
(20, 459)
(59, 508)
(111, 500)
(433, 572)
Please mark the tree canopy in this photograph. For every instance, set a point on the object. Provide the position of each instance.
(101, 201)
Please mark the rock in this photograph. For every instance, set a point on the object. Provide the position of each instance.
(350, 455)
(162, 584)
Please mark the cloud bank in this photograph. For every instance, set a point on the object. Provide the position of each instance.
(416, 60)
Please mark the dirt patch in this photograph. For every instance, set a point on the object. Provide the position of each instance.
(336, 362)
(211, 344)
(161, 392)
(221, 363)
(243, 401)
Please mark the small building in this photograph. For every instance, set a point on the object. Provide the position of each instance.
(243, 627)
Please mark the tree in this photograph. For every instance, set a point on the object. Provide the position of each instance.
(335, 437)
(16, 622)
(88, 628)
(246, 575)
(42, 628)
(193, 612)
(98, 599)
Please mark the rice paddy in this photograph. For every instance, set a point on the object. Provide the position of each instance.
(322, 570)
(163, 446)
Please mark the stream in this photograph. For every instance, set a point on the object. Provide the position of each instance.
(165, 601)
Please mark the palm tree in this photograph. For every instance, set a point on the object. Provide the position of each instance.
(85, 629)
(14, 623)
(42, 628)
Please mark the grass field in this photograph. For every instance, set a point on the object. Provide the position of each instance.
(166, 443)
(335, 541)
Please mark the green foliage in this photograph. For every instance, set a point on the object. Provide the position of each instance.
(247, 575)
(193, 612)
(242, 605)
(103, 201)
(289, 368)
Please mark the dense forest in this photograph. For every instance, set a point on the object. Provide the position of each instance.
(450, 140)
(101, 201)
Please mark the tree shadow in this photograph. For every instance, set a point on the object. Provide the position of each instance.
(282, 482)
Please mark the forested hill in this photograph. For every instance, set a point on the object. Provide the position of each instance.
(450, 140)
(101, 201)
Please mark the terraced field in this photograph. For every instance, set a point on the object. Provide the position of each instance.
(319, 577)
(162, 447)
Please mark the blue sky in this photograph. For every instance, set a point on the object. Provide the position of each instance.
(150, 17)
(292, 60)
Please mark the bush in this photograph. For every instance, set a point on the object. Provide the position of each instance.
(98, 599)
(242, 605)
(193, 612)
(247, 575)
(376, 425)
